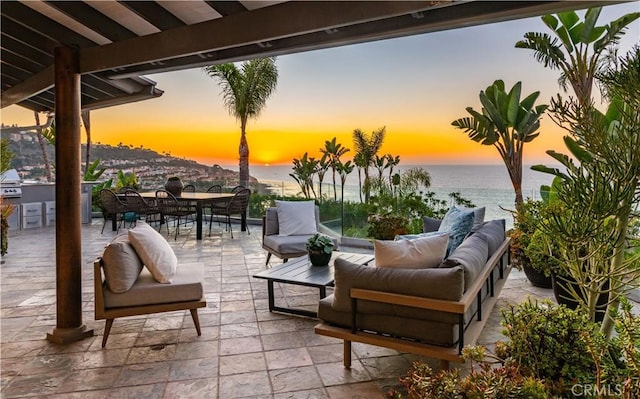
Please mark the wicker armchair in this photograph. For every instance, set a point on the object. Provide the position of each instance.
(170, 208)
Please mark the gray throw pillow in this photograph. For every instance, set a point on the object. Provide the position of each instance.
(478, 216)
(121, 264)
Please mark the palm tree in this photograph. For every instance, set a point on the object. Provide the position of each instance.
(360, 163)
(43, 147)
(334, 151)
(578, 48)
(245, 91)
(367, 146)
(506, 123)
(321, 170)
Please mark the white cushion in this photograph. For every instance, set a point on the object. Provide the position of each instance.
(121, 264)
(296, 217)
(155, 252)
(419, 253)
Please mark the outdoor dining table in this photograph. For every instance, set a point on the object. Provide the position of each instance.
(199, 199)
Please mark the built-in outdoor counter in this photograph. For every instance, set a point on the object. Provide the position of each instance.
(36, 207)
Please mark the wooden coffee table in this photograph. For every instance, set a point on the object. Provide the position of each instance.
(300, 271)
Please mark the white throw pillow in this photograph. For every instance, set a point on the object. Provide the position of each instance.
(296, 218)
(419, 253)
(155, 252)
(121, 264)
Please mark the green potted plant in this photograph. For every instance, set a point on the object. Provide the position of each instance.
(320, 248)
(5, 211)
(174, 186)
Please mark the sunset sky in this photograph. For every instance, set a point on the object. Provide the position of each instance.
(415, 86)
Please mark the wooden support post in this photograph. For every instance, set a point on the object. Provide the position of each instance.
(69, 327)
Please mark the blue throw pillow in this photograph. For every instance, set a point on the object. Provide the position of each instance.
(458, 223)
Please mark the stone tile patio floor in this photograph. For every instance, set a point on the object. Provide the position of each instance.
(244, 351)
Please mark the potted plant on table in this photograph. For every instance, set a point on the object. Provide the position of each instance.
(320, 248)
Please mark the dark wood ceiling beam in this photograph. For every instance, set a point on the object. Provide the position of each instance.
(46, 26)
(28, 37)
(93, 19)
(226, 8)
(13, 59)
(9, 44)
(154, 13)
(267, 23)
(34, 85)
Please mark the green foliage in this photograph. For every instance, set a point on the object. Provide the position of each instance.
(127, 179)
(506, 123)
(386, 227)
(600, 189)
(5, 211)
(319, 242)
(483, 382)
(93, 172)
(303, 171)
(6, 155)
(579, 47)
(545, 340)
(367, 147)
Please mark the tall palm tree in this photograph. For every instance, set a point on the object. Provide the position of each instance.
(506, 123)
(578, 49)
(360, 163)
(368, 146)
(245, 91)
(334, 151)
(43, 147)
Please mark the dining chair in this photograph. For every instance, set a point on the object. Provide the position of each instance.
(112, 208)
(140, 206)
(215, 208)
(237, 205)
(169, 207)
(189, 188)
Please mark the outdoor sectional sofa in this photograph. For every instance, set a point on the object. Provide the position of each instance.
(433, 312)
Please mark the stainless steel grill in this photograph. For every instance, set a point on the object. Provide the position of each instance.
(10, 184)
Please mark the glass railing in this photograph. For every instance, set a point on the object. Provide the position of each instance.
(344, 213)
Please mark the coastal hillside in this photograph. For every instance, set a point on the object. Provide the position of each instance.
(151, 167)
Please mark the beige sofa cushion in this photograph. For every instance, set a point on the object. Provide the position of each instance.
(416, 253)
(155, 252)
(121, 264)
(186, 286)
(444, 284)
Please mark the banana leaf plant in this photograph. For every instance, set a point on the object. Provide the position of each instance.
(506, 123)
(579, 47)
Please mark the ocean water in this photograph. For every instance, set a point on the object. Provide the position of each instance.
(484, 185)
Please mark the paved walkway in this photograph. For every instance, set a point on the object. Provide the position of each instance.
(244, 351)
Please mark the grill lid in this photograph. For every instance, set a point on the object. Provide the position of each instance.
(10, 178)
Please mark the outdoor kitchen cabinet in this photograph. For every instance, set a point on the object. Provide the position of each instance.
(49, 213)
(31, 215)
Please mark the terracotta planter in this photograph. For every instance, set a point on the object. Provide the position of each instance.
(174, 187)
(319, 258)
(564, 297)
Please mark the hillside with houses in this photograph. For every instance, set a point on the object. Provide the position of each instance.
(151, 167)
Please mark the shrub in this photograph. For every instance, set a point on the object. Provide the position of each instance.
(547, 341)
